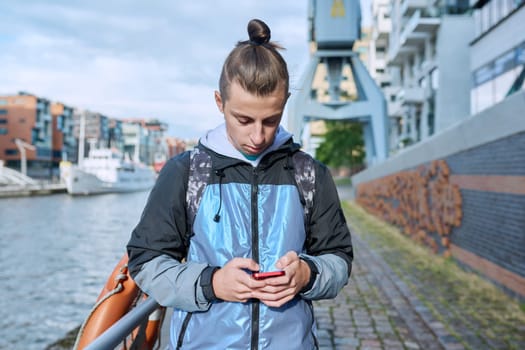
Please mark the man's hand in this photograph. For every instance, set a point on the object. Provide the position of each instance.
(233, 283)
(279, 290)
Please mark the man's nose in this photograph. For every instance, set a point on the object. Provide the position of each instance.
(257, 135)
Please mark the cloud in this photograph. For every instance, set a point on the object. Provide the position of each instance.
(131, 58)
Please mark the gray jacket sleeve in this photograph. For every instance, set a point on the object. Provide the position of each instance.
(172, 283)
(331, 277)
(159, 243)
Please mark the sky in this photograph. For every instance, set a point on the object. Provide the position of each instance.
(139, 59)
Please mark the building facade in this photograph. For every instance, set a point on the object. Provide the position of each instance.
(36, 134)
(27, 118)
(460, 191)
(497, 66)
(144, 139)
(428, 66)
(65, 144)
(444, 61)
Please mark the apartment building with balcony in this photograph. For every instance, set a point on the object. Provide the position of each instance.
(475, 108)
(144, 138)
(116, 134)
(497, 52)
(28, 118)
(380, 32)
(96, 130)
(428, 64)
(157, 145)
(65, 145)
(51, 133)
(378, 65)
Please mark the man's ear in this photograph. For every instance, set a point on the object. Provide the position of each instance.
(218, 101)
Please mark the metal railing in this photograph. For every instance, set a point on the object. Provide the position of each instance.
(114, 335)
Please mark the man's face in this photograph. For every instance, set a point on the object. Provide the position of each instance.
(251, 121)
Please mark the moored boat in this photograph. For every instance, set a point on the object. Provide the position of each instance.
(106, 171)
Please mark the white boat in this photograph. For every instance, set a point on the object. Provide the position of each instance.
(106, 171)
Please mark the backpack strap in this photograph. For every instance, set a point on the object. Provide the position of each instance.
(304, 173)
(198, 178)
(200, 171)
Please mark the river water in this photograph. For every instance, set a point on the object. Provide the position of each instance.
(56, 253)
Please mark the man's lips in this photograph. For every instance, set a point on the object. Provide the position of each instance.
(253, 150)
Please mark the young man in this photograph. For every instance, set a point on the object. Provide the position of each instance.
(249, 218)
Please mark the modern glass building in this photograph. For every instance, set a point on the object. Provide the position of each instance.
(497, 51)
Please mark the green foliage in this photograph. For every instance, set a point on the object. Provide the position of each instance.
(343, 144)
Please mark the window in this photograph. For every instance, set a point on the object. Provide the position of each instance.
(485, 18)
(518, 83)
(503, 83)
(504, 63)
(3, 131)
(3, 121)
(434, 78)
(483, 74)
(423, 82)
(3, 111)
(484, 96)
(494, 81)
(11, 152)
(495, 14)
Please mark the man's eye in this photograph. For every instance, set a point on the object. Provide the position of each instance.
(243, 121)
(271, 122)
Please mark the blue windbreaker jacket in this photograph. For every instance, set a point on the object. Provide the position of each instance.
(261, 217)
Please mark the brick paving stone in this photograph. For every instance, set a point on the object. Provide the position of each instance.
(370, 312)
(377, 310)
(411, 345)
(454, 346)
(370, 343)
(455, 326)
(389, 344)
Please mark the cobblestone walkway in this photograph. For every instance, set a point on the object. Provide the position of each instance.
(376, 311)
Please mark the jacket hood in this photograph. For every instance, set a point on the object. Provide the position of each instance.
(217, 141)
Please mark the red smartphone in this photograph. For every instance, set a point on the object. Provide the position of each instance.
(263, 275)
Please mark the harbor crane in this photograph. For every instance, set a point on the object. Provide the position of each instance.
(336, 85)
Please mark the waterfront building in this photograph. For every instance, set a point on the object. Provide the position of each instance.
(378, 66)
(143, 138)
(477, 143)
(65, 145)
(96, 130)
(497, 56)
(157, 145)
(50, 132)
(176, 146)
(26, 117)
(116, 135)
(445, 61)
(428, 63)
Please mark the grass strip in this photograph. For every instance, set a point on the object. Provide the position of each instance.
(472, 302)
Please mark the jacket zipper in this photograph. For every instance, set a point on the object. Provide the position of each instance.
(183, 329)
(255, 256)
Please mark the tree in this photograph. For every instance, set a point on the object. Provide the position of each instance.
(343, 145)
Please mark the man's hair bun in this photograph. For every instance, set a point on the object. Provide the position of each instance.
(258, 32)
